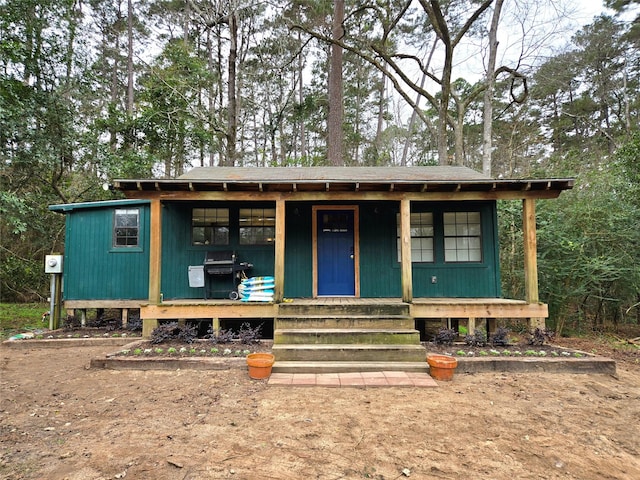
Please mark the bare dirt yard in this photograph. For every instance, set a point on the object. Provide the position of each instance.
(60, 419)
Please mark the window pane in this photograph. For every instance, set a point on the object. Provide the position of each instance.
(210, 226)
(257, 226)
(463, 236)
(126, 223)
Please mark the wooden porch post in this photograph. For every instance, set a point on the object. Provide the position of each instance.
(530, 258)
(155, 263)
(405, 250)
(279, 253)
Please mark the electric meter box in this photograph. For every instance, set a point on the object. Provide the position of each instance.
(53, 264)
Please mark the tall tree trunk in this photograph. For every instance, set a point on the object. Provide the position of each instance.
(381, 112)
(211, 100)
(130, 58)
(303, 133)
(487, 130)
(113, 140)
(232, 119)
(334, 122)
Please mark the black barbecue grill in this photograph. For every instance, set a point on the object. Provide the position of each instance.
(225, 266)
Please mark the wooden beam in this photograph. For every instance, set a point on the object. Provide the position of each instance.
(279, 251)
(155, 252)
(91, 304)
(302, 196)
(155, 263)
(405, 250)
(476, 308)
(530, 251)
(230, 310)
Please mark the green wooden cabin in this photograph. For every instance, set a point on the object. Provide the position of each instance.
(423, 236)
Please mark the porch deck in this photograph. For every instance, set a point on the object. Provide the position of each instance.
(420, 307)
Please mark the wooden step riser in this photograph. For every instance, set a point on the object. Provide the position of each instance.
(345, 367)
(330, 310)
(338, 353)
(378, 323)
(316, 337)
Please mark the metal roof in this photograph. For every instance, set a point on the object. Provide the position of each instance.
(68, 207)
(339, 179)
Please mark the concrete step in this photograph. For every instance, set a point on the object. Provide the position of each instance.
(341, 367)
(349, 353)
(344, 309)
(359, 336)
(395, 322)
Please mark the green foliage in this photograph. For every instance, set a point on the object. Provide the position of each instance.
(16, 317)
(587, 242)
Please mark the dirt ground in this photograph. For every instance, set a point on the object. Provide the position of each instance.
(59, 419)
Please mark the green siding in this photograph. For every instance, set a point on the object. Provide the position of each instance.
(93, 269)
(464, 280)
(379, 267)
(178, 253)
(380, 274)
(298, 266)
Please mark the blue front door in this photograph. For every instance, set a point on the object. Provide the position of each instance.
(335, 243)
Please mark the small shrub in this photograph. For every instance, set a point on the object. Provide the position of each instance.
(172, 331)
(187, 333)
(478, 339)
(445, 336)
(500, 337)
(248, 335)
(221, 336)
(164, 333)
(540, 337)
(134, 323)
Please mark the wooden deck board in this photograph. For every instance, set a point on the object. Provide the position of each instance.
(419, 308)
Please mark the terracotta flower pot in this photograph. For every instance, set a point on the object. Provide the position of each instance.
(441, 367)
(260, 365)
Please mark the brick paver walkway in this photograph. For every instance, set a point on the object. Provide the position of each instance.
(353, 379)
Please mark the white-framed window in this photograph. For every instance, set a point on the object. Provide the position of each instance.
(257, 226)
(422, 233)
(126, 227)
(210, 226)
(462, 237)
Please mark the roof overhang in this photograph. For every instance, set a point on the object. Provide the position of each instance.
(352, 180)
(69, 207)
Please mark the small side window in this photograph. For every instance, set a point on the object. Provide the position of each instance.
(126, 227)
